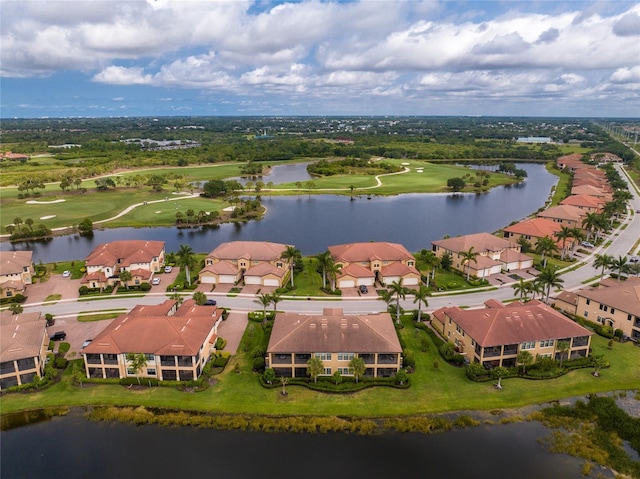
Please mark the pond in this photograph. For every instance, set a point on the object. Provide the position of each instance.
(73, 447)
(312, 223)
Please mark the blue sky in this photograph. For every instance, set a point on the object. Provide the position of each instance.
(377, 57)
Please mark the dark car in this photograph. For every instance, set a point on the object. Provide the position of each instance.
(363, 289)
(58, 335)
(210, 302)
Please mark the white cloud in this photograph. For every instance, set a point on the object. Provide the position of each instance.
(626, 75)
(122, 76)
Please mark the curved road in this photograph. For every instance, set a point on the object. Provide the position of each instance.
(623, 242)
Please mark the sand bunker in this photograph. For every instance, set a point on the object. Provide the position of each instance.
(159, 211)
(36, 202)
(229, 208)
(47, 217)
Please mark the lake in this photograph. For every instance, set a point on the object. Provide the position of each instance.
(72, 447)
(314, 223)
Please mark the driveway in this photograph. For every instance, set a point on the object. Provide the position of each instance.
(232, 330)
(77, 333)
(56, 284)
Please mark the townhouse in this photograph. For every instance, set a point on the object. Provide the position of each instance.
(16, 272)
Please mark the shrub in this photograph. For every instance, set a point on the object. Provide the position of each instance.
(145, 287)
(258, 364)
(19, 298)
(258, 352)
(220, 343)
(408, 359)
(64, 347)
(221, 359)
(83, 290)
(61, 363)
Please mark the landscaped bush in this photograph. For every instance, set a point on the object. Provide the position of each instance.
(220, 343)
(221, 359)
(19, 298)
(145, 287)
(61, 363)
(64, 347)
(408, 359)
(258, 364)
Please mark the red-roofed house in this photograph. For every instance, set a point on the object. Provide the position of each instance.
(564, 215)
(336, 338)
(140, 257)
(495, 254)
(254, 262)
(177, 342)
(368, 263)
(23, 348)
(590, 190)
(494, 336)
(589, 204)
(533, 229)
(16, 272)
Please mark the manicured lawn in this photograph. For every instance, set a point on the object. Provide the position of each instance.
(433, 390)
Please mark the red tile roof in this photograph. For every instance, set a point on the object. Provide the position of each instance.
(359, 252)
(127, 251)
(251, 250)
(13, 262)
(481, 242)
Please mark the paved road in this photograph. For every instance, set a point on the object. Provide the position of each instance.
(622, 241)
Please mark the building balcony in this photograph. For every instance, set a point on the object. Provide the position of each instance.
(387, 359)
(368, 358)
(492, 352)
(581, 341)
(281, 359)
(510, 351)
(302, 358)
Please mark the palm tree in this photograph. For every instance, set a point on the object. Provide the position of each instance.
(521, 288)
(29, 223)
(546, 247)
(603, 261)
(563, 235)
(333, 270)
(387, 297)
(315, 367)
(263, 299)
(562, 347)
(578, 236)
(185, 259)
(525, 358)
(590, 222)
(620, 265)
(125, 276)
(358, 367)
(275, 299)
(324, 259)
(467, 257)
(431, 261)
(290, 254)
(199, 297)
(137, 362)
(399, 292)
(550, 278)
(17, 222)
(420, 297)
(535, 287)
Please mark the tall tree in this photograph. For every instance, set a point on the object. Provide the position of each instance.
(550, 278)
(264, 300)
(290, 254)
(324, 259)
(562, 347)
(125, 276)
(525, 358)
(275, 299)
(521, 288)
(469, 256)
(420, 297)
(399, 292)
(358, 367)
(185, 260)
(315, 367)
(546, 246)
(603, 261)
(563, 235)
(619, 264)
(333, 270)
(431, 261)
(577, 235)
(199, 297)
(136, 363)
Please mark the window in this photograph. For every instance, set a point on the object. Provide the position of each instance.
(458, 329)
(586, 314)
(327, 372)
(547, 343)
(151, 372)
(410, 263)
(588, 301)
(604, 308)
(628, 317)
(324, 356)
(345, 371)
(613, 310)
(528, 345)
(345, 356)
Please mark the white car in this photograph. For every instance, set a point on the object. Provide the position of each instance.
(167, 269)
(155, 281)
(66, 274)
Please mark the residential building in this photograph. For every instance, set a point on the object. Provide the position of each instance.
(374, 262)
(23, 348)
(336, 338)
(141, 258)
(564, 215)
(589, 204)
(494, 336)
(615, 304)
(495, 254)
(16, 272)
(533, 229)
(177, 342)
(597, 192)
(250, 262)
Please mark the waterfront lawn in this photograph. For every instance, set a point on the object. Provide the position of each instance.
(433, 389)
(309, 281)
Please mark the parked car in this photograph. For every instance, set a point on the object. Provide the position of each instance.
(167, 269)
(210, 302)
(86, 343)
(155, 281)
(58, 336)
(586, 244)
(66, 274)
(363, 289)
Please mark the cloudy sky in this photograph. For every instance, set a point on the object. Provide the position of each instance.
(375, 57)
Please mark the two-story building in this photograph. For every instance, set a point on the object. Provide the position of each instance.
(494, 336)
(494, 254)
(16, 272)
(588, 203)
(176, 340)
(616, 305)
(336, 338)
(534, 229)
(142, 258)
(374, 262)
(23, 348)
(564, 215)
(249, 262)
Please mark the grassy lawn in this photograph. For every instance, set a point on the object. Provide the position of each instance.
(88, 318)
(433, 390)
(563, 188)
